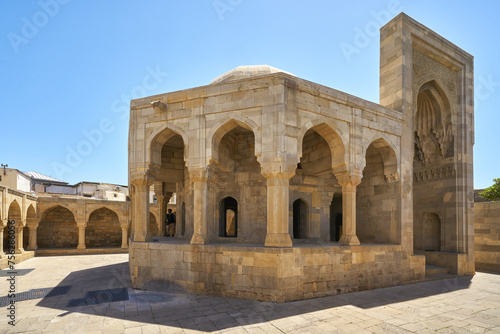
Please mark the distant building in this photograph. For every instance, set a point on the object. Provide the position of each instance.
(15, 179)
(45, 184)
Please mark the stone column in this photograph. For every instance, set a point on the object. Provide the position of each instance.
(2, 228)
(349, 183)
(161, 213)
(200, 206)
(124, 236)
(19, 237)
(278, 193)
(33, 235)
(81, 236)
(163, 200)
(140, 201)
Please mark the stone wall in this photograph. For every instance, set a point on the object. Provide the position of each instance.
(270, 274)
(376, 203)
(314, 185)
(487, 235)
(103, 229)
(237, 175)
(57, 229)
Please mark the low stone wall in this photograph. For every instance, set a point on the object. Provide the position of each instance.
(456, 263)
(487, 235)
(87, 251)
(4, 263)
(270, 274)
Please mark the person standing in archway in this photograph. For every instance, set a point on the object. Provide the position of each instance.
(170, 223)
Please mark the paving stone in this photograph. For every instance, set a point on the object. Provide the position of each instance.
(465, 310)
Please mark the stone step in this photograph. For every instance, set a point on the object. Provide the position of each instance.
(431, 270)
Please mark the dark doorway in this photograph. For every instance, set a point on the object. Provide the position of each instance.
(299, 219)
(336, 218)
(228, 217)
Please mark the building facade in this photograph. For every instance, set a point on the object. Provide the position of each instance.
(287, 189)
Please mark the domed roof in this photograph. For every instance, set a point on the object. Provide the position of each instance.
(244, 72)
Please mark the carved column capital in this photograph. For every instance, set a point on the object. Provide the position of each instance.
(279, 170)
(143, 179)
(20, 223)
(346, 178)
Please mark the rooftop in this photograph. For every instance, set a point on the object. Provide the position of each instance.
(41, 177)
(244, 72)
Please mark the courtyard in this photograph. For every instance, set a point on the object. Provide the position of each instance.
(93, 294)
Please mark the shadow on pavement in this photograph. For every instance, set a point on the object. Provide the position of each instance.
(209, 313)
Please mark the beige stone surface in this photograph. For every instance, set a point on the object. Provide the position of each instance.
(458, 305)
(300, 164)
(487, 235)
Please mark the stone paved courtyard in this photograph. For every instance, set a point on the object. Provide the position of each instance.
(455, 305)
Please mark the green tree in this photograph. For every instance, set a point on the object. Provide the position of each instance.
(492, 193)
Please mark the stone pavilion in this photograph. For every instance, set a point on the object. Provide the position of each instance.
(287, 189)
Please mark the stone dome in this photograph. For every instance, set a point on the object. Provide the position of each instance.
(244, 72)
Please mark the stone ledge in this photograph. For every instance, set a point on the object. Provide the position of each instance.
(270, 274)
(4, 263)
(72, 251)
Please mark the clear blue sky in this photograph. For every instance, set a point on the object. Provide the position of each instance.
(68, 68)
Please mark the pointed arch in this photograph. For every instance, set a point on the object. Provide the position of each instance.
(30, 214)
(103, 229)
(53, 206)
(437, 96)
(14, 211)
(300, 219)
(432, 123)
(57, 228)
(221, 128)
(158, 138)
(31, 209)
(432, 232)
(228, 217)
(390, 159)
(87, 216)
(332, 135)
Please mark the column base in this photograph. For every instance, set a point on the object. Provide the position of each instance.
(81, 247)
(278, 240)
(349, 240)
(124, 246)
(142, 238)
(32, 248)
(19, 251)
(198, 239)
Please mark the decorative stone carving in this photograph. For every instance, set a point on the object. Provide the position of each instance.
(434, 174)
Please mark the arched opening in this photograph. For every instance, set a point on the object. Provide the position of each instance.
(14, 213)
(432, 232)
(228, 215)
(153, 225)
(433, 169)
(30, 219)
(376, 200)
(103, 229)
(183, 219)
(336, 218)
(433, 129)
(172, 169)
(321, 150)
(57, 229)
(237, 171)
(299, 219)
